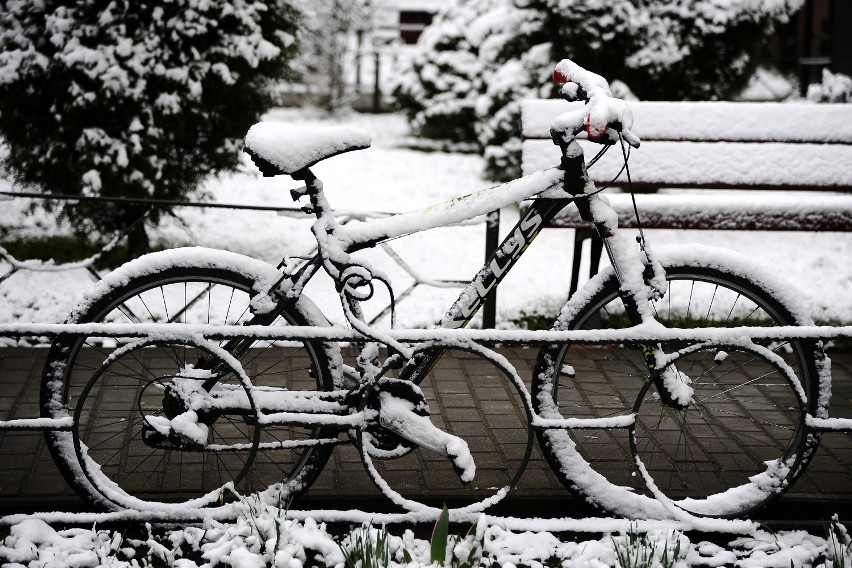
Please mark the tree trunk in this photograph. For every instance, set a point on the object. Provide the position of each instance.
(137, 242)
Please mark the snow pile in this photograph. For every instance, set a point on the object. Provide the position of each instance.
(769, 84)
(834, 88)
(265, 536)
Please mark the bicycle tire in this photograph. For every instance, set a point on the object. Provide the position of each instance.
(217, 287)
(597, 465)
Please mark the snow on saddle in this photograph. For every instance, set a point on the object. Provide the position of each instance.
(278, 148)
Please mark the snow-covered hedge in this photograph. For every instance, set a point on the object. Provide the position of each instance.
(834, 88)
(134, 99)
(480, 57)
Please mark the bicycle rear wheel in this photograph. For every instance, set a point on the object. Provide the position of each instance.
(745, 419)
(109, 400)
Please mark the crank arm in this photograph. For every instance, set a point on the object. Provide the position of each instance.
(398, 416)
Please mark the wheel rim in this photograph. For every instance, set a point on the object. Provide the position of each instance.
(609, 381)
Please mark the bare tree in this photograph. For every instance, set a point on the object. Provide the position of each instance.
(329, 44)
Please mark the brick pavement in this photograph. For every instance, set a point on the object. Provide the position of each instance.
(467, 396)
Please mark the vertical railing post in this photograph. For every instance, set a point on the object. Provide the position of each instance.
(492, 239)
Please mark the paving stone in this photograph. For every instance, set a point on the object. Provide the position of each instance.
(457, 400)
(491, 393)
(460, 414)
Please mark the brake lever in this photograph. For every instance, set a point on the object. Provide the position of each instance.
(572, 92)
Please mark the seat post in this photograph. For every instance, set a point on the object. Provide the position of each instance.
(313, 189)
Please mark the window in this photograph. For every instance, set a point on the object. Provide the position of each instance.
(411, 24)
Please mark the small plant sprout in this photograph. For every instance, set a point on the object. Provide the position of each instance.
(454, 550)
(467, 552)
(367, 548)
(634, 550)
(839, 544)
(643, 550)
(439, 538)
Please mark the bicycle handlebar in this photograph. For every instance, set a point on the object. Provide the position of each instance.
(603, 117)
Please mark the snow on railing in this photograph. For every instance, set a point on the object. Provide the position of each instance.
(50, 266)
(642, 333)
(356, 517)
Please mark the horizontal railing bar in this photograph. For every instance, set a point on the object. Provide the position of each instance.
(829, 424)
(353, 213)
(175, 203)
(636, 334)
(37, 424)
(141, 201)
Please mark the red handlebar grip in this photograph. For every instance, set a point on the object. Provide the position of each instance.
(594, 135)
(559, 77)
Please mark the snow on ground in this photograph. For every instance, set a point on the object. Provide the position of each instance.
(267, 537)
(389, 177)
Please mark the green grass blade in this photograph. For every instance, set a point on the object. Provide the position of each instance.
(439, 537)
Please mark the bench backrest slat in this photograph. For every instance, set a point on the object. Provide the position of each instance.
(713, 165)
(720, 211)
(714, 121)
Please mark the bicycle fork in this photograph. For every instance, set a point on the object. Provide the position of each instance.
(635, 278)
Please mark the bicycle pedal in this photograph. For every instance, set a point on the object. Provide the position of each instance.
(389, 444)
(152, 437)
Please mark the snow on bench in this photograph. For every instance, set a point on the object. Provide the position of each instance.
(714, 145)
(718, 145)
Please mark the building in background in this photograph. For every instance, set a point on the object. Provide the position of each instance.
(352, 48)
(823, 39)
(387, 44)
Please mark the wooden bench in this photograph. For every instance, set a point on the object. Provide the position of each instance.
(714, 145)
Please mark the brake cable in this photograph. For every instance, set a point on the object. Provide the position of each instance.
(641, 237)
(625, 168)
(613, 180)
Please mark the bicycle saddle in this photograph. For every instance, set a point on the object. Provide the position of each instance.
(279, 148)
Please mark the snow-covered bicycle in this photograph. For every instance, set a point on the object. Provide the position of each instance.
(714, 427)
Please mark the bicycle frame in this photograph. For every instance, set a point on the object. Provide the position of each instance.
(552, 189)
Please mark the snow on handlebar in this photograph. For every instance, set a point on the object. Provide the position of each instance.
(602, 118)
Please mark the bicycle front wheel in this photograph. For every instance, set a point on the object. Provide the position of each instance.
(113, 398)
(738, 445)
